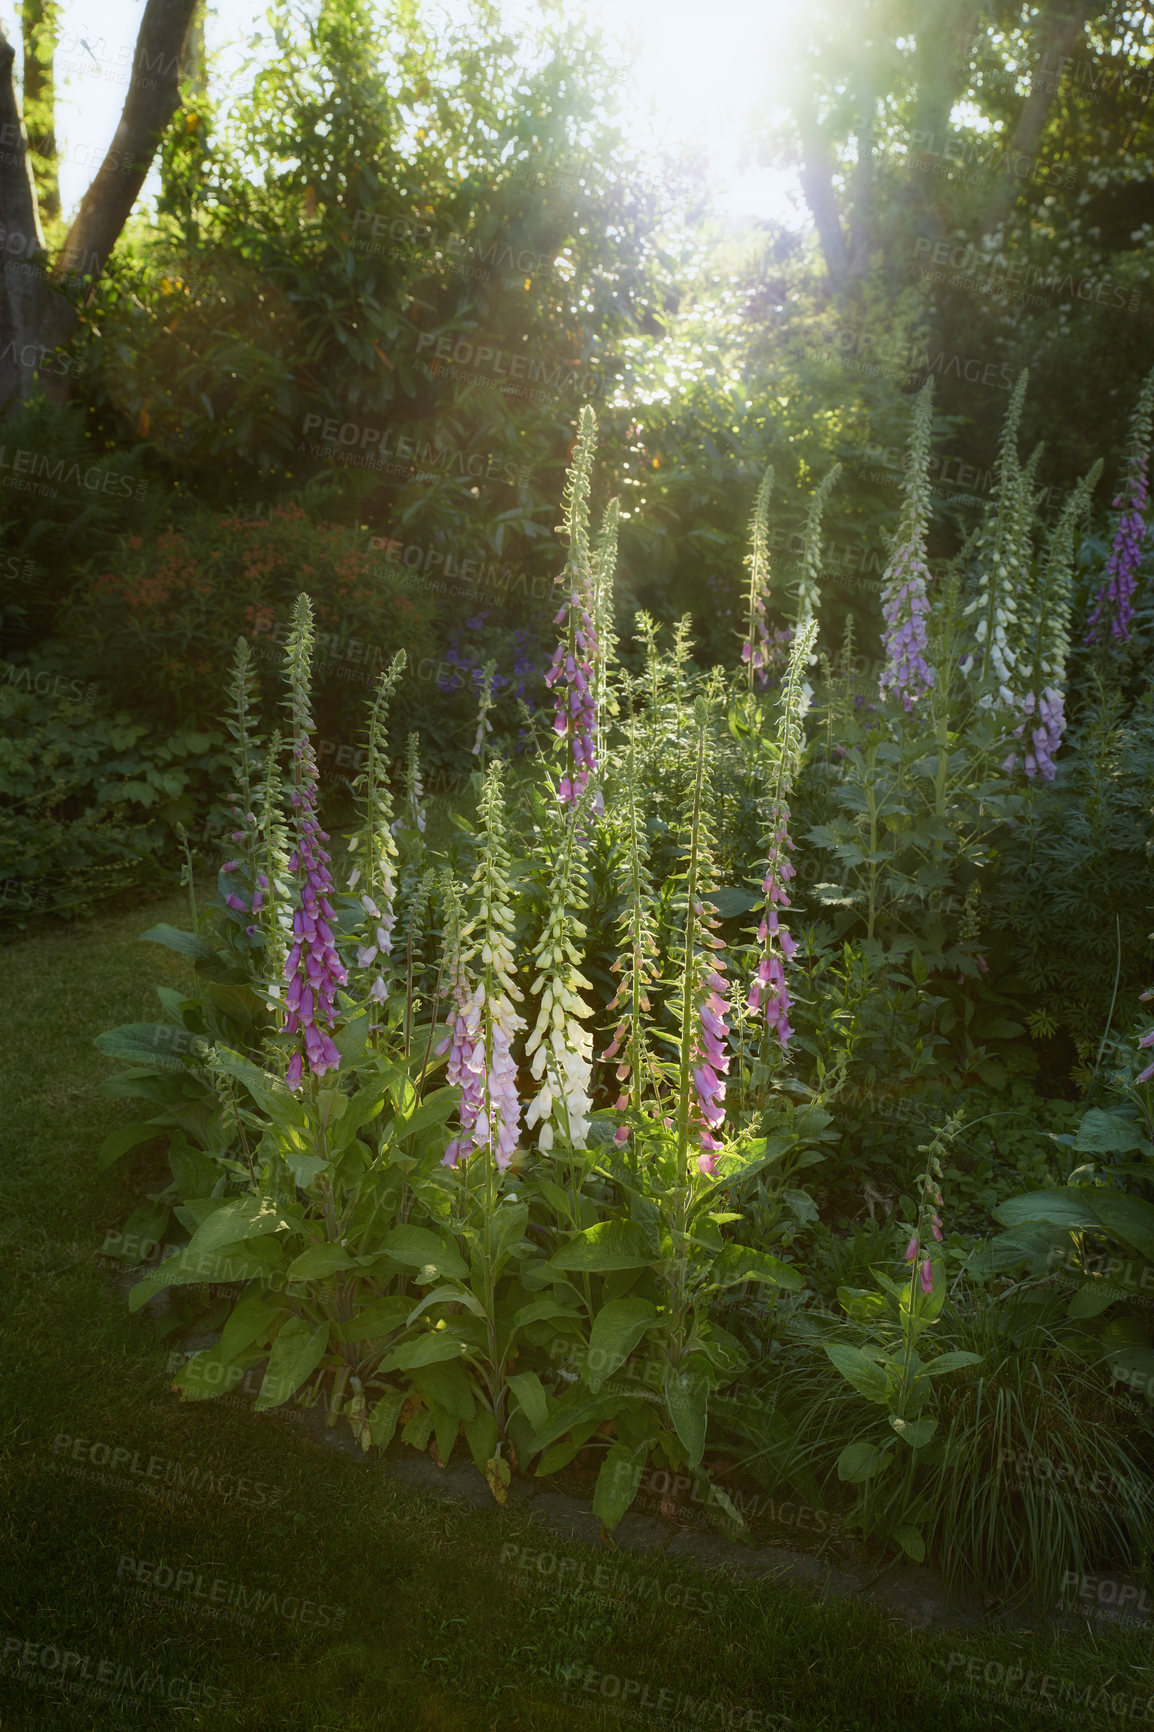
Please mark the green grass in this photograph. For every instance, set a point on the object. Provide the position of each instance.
(438, 1630)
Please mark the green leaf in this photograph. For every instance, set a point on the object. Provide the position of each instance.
(686, 1392)
(118, 1143)
(185, 943)
(911, 1542)
(1106, 1133)
(318, 1261)
(433, 1110)
(420, 1248)
(296, 1353)
(1130, 1219)
(613, 1244)
(383, 1418)
(1092, 1299)
(241, 1218)
(251, 1317)
(618, 1482)
(427, 1349)
(158, 1045)
(449, 1292)
(446, 1385)
(866, 1377)
(860, 1461)
(382, 1317)
(481, 1436)
(736, 1263)
(915, 1432)
(951, 1362)
(526, 1386)
(617, 1328)
(1073, 1206)
(577, 1407)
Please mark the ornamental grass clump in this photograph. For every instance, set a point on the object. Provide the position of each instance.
(313, 968)
(484, 1021)
(768, 992)
(904, 600)
(1113, 608)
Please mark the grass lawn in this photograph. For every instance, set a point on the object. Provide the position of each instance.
(219, 1554)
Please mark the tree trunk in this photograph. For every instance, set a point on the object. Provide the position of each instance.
(40, 28)
(1061, 31)
(35, 318)
(817, 185)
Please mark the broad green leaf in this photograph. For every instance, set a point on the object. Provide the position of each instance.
(383, 1418)
(508, 1229)
(866, 1377)
(860, 1461)
(241, 1218)
(185, 943)
(577, 1407)
(737, 1263)
(303, 1167)
(449, 1292)
(381, 1317)
(915, 1432)
(447, 1386)
(268, 1091)
(618, 1482)
(951, 1362)
(428, 1349)
(542, 1311)
(1106, 1133)
(433, 1110)
(1130, 1219)
(1092, 1299)
(318, 1261)
(158, 1045)
(481, 1436)
(118, 1143)
(911, 1542)
(617, 1328)
(526, 1386)
(419, 1248)
(613, 1244)
(1073, 1206)
(686, 1391)
(296, 1353)
(255, 1313)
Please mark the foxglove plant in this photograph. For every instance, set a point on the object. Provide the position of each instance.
(637, 1071)
(769, 992)
(245, 896)
(999, 568)
(572, 670)
(313, 968)
(1114, 604)
(485, 679)
(1043, 658)
(604, 568)
(413, 806)
(700, 1004)
(808, 594)
(560, 1047)
(758, 650)
(484, 1021)
(372, 849)
(271, 900)
(904, 600)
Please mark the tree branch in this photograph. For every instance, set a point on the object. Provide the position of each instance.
(152, 100)
(817, 185)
